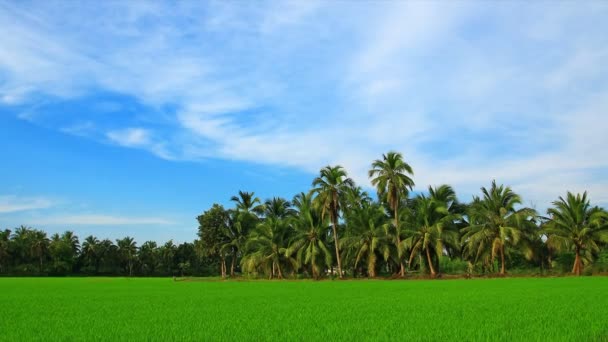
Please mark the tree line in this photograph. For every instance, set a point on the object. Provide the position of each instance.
(337, 229)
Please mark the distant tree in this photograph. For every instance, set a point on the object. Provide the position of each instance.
(431, 229)
(5, 255)
(91, 252)
(246, 201)
(127, 250)
(309, 241)
(367, 236)
(391, 177)
(331, 187)
(149, 257)
(267, 248)
(167, 254)
(39, 246)
(495, 224)
(278, 207)
(577, 226)
(212, 228)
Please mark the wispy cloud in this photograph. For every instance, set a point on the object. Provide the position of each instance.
(11, 203)
(468, 91)
(99, 219)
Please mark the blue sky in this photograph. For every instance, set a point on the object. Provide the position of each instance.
(131, 118)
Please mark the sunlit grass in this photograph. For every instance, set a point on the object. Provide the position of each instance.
(162, 309)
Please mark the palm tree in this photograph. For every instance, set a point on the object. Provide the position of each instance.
(21, 243)
(432, 228)
(167, 254)
(267, 246)
(39, 246)
(278, 207)
(577, 226)
(148, 256)
(127, 249)
(91, 251)
(368, 236)
(391, 178)
(236, 232)
(309, 240)
(495, 224)
(71, 240)
(331, 186)
(246, 201)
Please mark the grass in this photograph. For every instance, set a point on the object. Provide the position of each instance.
(511, 309)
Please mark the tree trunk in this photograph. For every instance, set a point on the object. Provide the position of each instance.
(279, 273)
(502, 259)
(401, 266)
(223, 267)
(431, 268)
(334, 225)
(40, 263)
(232, 263)
(577, 263)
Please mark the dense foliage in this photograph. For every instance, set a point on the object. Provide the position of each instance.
(337, 229)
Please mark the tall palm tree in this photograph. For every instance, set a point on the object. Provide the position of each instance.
(127, 249)
(248, 202)
(267, 246)
(495, 223)
(432, 228)
(309, 242)
(577, 226)
(368, 236)
(391, 177)
(331, 186)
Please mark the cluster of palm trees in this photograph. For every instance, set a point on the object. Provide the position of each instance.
(337, 228)
(28, 251)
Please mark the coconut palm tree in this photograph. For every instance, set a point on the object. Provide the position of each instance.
(91, 251)
(495, 224)
(278, 207)
(309, 242)
(246, 201)
(432, 229)
(39, 246)
(368, 236)
(127, 249)
(391, 177)
(167, 255)
(267, 248)
(149, 256)
(21, 243)
(331, 186)
(577, 226)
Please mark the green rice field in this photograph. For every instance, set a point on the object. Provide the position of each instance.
(511, 309)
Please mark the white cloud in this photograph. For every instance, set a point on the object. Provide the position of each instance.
(11, 203)
(130, 137)
(467, 91)
(99, 219)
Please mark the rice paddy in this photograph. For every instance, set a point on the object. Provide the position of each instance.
(511, 309)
